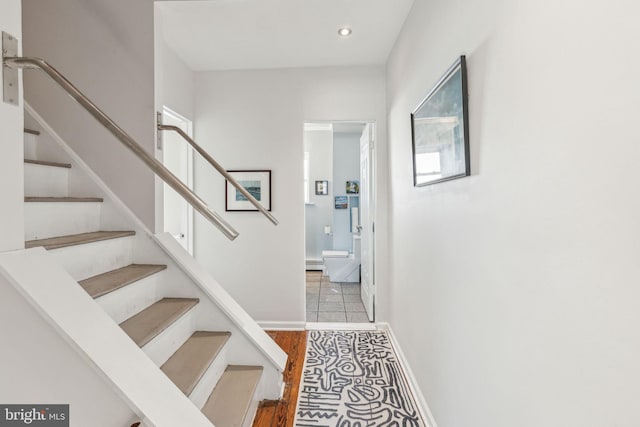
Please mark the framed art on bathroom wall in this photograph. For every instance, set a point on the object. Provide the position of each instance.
(353, 187)
(256, 182)
(322, 188)
(342, 202)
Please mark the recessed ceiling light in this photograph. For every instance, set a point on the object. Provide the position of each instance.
(344, 32)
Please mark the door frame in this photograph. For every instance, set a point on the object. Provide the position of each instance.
(373, 203)
(188, 129)
(371, 188)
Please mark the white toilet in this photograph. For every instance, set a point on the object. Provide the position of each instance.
(341, 266)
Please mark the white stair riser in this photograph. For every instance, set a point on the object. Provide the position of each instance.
(207, 383)
(123, 303)
(84, 261)
(162, 347)
(30, 146)
(45, 181)
(50, 219)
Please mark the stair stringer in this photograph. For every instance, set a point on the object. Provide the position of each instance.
(98, 340)
(250, 344)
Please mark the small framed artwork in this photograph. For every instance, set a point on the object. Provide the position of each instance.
(342, 202)
(322, 188)
(440, 130)
(256, 182)
(353, 187)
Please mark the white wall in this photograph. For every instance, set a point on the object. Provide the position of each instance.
(514, 291)
(11, 149)
(175, 82)
(346, 167)
(319, 213)
(38, 367)
(106, 50)
(254, 120)
(174, 88)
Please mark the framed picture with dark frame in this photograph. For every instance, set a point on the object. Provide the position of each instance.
(440, 130)
(341, 202)
(256, 182)
(353, 187)
(322, 188)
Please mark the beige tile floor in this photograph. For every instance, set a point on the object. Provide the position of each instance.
(333, 302)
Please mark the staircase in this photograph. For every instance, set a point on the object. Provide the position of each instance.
(203, 342)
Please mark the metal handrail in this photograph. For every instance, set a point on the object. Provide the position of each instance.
(220, 169)
(157, 167)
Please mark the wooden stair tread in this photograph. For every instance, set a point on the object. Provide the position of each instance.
(150, 322)
(110, 281)
(230, 400)
(76, 239)
(189, 363)
(32, 199)
(45, 163)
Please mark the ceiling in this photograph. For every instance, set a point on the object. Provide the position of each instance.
(263, 34)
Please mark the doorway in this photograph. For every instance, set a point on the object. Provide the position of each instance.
(339, 180)
(177, 156)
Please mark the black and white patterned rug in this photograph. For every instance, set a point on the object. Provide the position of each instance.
(354, 379)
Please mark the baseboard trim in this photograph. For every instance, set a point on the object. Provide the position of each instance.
(423, 407)
(282, 326)
(329, 326)
(314, 264)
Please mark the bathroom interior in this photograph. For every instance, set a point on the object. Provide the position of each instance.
(332, 221)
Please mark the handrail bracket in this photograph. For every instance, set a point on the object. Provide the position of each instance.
(10, 76)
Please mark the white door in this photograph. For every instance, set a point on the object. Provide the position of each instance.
(178, 158)
(367, 220)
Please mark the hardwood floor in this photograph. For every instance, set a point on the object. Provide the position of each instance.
(281, 413)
